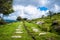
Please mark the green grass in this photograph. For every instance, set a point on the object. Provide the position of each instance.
(24, 35)
(8, 30)
(42, 37)
(47, 21)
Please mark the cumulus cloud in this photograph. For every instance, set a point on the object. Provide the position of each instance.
(25, 2)
(47, 3)
(29, 11)
(18, 7)
(10, 17)
(34, 12)
(43, 2)
(28, 8)
(55, 8)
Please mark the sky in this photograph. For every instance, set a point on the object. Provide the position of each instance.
(32, 9)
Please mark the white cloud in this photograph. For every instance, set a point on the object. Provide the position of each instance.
(47, 3)
(43, 2)
(18, 7)
(34, 12)
(28, 8)
(56, 8)
(10, 17)
(29, 11)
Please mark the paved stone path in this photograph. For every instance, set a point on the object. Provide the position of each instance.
(42, 33)
(35, 29)
(16, 36)
(18, 31)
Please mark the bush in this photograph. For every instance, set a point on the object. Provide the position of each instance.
(55, 27)
(19, 18)
(2, 22)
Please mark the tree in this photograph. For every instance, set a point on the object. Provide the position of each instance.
(55, 27)
(6, 7)
(2, 21)
(0, 18)
(24, 18)
(19, 18)
(42, 16)
(50, 14)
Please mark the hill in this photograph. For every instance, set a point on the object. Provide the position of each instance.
(46, 23)
(38, 29)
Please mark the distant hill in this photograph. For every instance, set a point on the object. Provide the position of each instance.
(10, 21)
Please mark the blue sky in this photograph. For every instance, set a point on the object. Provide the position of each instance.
(43, 8)
(32, 9)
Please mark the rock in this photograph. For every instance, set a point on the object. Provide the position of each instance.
(55, 26)
(55, 23)
(35, 30)
(43, 33)
(17, 29)
(40, 22)
(16, 36)
(18, 32)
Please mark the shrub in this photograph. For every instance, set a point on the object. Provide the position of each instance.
(55, 27)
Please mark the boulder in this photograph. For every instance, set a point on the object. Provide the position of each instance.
(55, 26)
(40, 22)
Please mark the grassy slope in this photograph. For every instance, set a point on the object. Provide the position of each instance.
(6, 31)
(47, 24)
(41, 37)
(47, 21)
